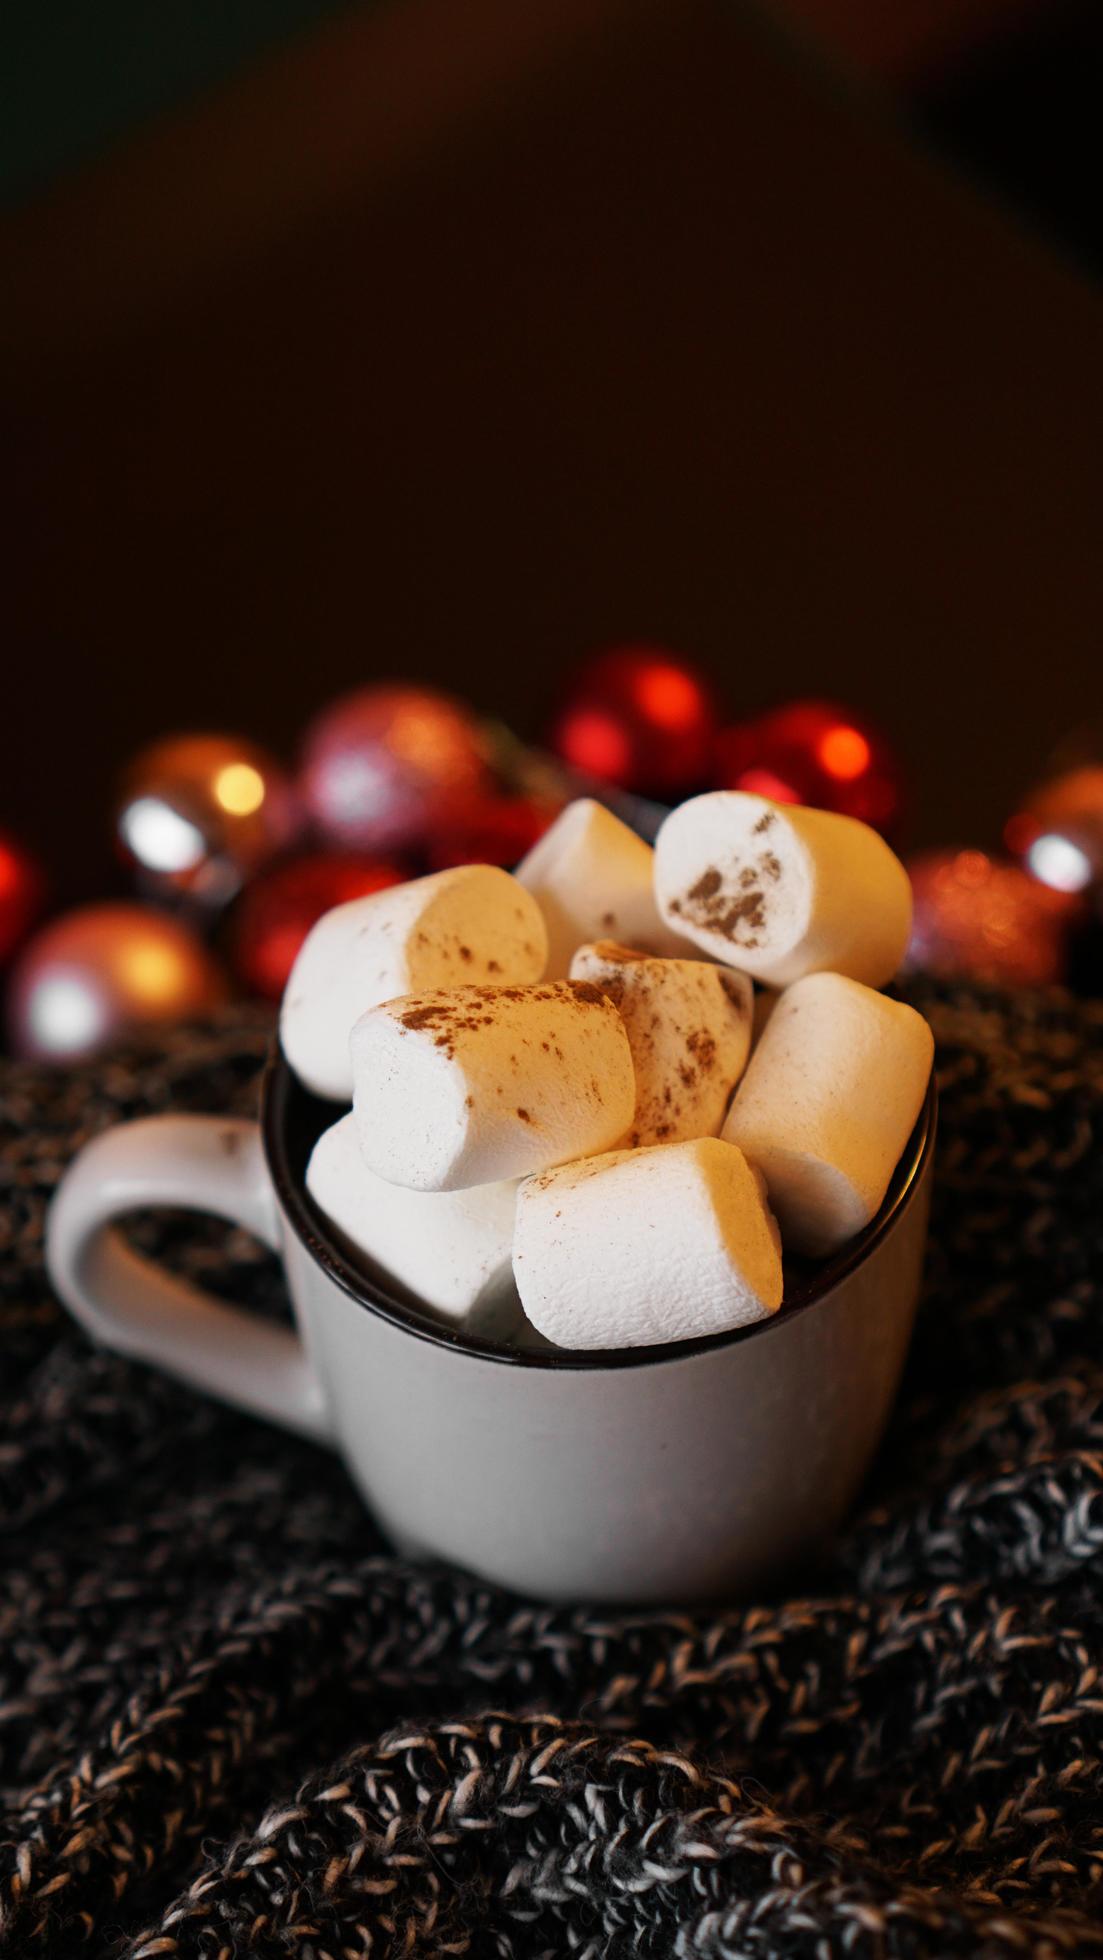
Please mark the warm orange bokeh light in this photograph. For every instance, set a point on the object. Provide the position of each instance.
(427, 737)
(971, 868)
(596, 744)
(668, 697)
(763, 782)
(152, 971)
(239, 788)
(844, 752)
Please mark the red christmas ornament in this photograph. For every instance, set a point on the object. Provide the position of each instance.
(197, 815)
(490, 830)
(1058, 833)
(93, 973)
(980, 918)
(814, 752)
(380, 765)
(640, 718)
(276, 911)
(22, 890)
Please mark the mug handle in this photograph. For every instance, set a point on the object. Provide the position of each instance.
(204, 1163)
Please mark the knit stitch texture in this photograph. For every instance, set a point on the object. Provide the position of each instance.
(232, 1723)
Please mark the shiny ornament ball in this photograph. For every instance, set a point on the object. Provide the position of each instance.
(814, 752)
(92, 974)
(640, 718)
(490, 829)
(982, 918)
(22, 892)
(1058, 833)
(198, 814)
(276, 911)
(379, 766)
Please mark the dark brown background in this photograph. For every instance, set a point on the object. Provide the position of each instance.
(454, 344)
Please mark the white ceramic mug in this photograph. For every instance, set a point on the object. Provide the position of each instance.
(698, 1470)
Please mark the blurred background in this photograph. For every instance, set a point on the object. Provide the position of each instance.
(455, 346)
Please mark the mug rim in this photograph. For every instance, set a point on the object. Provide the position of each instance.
(280, 1091)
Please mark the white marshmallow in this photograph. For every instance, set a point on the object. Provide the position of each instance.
(644, 1246)
(782, 891)
(451, 1248)
(689, 1029)
(592, 878)
(470, 924)
(466, 1086)
(829, 1099)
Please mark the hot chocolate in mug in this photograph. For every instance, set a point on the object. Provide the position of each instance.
(698, 1470)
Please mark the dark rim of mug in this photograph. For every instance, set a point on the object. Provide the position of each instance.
(292, 1120)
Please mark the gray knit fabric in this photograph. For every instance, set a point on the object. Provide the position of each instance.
(231, 1723)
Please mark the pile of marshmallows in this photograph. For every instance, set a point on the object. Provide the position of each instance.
(541, 1067)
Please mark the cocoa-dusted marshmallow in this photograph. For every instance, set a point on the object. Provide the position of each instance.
(689, 1029)
(466, 1086)
(592, 878)
(828, 1101)
(782, 891)
(471, 924)
(644, 1246)
(451, 1248)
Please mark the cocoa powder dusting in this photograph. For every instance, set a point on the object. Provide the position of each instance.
(446, 1014)
(707, 886)
(585, 992)
(734, 918)
(702, 1047)
(432, 1015)
(616, 954)
(750, 909)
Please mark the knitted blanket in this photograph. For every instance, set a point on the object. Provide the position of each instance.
(232, 1723)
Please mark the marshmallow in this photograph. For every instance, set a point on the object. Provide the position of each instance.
(644, 1246)
(592, 878)
(451, 1248)
(465, 1086)
(470, 924)
(782, 891)
(689, 1029)
(829, 1099)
